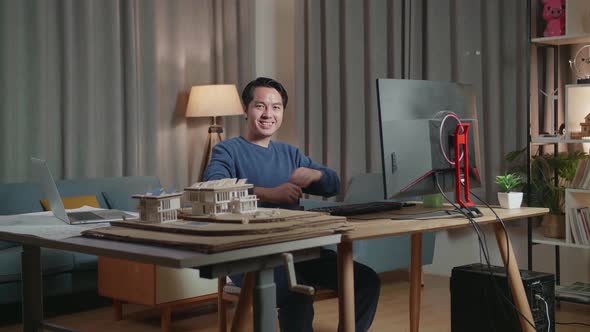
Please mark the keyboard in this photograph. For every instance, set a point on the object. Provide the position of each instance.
(84, 216)
(360, 208)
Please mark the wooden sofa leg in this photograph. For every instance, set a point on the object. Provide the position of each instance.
(242, 321)
(117, 310)
(165, 318)
(221, 307)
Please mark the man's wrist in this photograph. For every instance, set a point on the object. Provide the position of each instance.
(320, 174)
(261, 194)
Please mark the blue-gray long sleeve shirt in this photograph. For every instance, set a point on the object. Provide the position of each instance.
(266, 167)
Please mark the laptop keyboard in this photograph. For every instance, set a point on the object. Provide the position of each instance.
(84, 216)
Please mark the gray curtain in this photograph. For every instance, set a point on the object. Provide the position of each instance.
(197, 42)
(77, 87)
(346, 45)
(99, 88)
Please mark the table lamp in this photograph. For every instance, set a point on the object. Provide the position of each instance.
(214, 100)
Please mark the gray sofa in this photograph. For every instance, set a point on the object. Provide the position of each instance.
(67, 276)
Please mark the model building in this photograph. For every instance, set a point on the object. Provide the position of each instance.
(158, 207)
(221, 196)
(585, 129)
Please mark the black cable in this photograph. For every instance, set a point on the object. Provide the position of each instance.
(484, 247)
(501, 223)
(508, 251)
(506, 270)
(479, 237)
(572, 323)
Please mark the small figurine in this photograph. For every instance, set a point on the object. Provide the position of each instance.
(554, 14)
(585, 129)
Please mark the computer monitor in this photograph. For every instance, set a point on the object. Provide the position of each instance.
(411, 113)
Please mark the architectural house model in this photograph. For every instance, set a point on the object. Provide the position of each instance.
(221, 196)
(154, 208)
(585, 129)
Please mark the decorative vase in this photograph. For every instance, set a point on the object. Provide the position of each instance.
(511, 200)
(554, 225)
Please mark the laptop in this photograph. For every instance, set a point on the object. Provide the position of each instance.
(42, 175)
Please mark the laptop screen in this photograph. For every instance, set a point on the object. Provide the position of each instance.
(42, 175)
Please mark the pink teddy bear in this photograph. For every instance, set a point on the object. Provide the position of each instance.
(554, 14)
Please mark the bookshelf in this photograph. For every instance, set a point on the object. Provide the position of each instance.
(557, 140)
(540, 239)
(549, 71)
(583, 38)
(576, 226)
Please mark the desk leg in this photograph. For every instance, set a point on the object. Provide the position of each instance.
(242, 321)
(518, 293)
(32, 288)
(221, 308)
(415, 281)
(346, 287)
(265, 301)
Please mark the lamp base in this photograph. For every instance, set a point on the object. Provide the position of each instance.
(216, 129)
(215, 136)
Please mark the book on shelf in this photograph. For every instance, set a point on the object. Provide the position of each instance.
(580, 172)
(579, 221)
(581, 179)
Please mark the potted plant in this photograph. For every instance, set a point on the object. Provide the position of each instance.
(509, 198)
(550, 175)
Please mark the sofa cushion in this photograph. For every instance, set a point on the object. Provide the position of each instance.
(5, 244)
(52, 262)
(119, 197)
(120, 200)
(18, 198)
(73, 202)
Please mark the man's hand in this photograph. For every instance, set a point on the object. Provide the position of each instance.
(287, 194)
(304, 177)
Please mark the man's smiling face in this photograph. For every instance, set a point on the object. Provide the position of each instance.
(265, 113)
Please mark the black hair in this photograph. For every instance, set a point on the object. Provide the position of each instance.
(265, 82)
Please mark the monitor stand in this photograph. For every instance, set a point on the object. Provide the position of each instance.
(471, 211)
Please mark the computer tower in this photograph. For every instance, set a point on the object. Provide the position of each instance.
(482, 301)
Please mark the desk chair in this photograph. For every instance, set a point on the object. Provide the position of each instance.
(242, 298)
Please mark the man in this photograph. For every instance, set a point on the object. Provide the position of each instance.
(280, 174)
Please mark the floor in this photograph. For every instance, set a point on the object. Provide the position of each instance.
(392, 314)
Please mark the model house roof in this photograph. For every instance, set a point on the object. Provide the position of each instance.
(220, 185)
(162, 196)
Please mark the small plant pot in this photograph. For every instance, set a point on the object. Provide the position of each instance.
(554, 225)
(511, 200)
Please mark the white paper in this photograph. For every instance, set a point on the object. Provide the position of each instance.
(45, 225)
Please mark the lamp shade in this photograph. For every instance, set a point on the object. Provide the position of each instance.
(214, 100)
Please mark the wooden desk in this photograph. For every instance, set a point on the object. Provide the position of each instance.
(384, 226)
(260, 259)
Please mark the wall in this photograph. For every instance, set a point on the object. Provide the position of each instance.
(275, 54)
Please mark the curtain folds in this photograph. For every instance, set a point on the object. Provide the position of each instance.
(99, 88)
(73, 88)
(348, 44)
